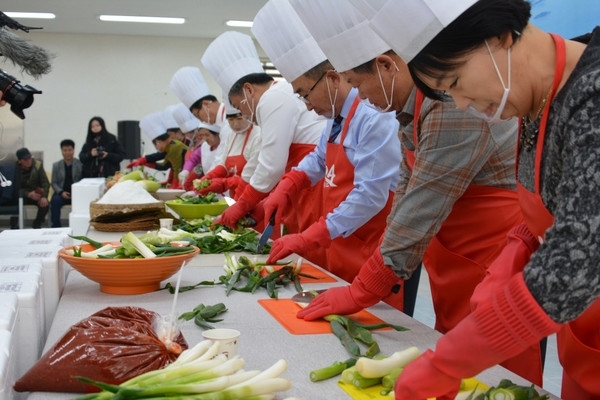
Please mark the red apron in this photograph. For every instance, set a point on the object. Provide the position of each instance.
(345, 256)
(308, 200)
(470, 238)
(578, 341)
(235, 164)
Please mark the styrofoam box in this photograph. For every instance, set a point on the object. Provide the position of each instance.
(79, 223)
(54, 272)
(8, 311)
(7, 366)
(59, 234)
(84, 192)
(30, 318)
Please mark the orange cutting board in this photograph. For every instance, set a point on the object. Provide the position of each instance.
(316, 275)
(285, 310)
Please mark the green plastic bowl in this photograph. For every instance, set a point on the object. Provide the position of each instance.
(194, 211)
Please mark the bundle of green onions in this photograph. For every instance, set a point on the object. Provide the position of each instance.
(199, 373)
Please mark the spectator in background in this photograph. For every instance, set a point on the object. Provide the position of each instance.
(64, 173)
(102, 153)
(34, 185)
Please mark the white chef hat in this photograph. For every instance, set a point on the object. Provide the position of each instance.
(152, 125)
(229, 109)
(231, 56)
(169, 121)
(189, 85)
(211, 127)
(285, 39)
(341, 31)
(185, 119)
(409, 25)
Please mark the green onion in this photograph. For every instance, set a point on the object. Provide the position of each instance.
(332, 370)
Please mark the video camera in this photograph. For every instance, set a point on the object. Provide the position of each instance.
(33, 59)
(18, 96)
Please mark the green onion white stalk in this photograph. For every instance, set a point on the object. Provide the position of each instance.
(199, 373)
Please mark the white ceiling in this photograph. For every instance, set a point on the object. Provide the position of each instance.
(204, 18)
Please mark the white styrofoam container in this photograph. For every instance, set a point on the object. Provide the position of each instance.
(79, 223)
(84, 192)
(30, 318)
(7, 366)
(8, 311)
(44, 235)
(54, 272)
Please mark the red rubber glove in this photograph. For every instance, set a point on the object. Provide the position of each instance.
(287, 188)
(516, 254)
(500, 328)
(220, 185)
(217, 172)
(315, 236)
(249, 199)
(513, 258)
(189, 181)
(374, 282)
(137, 163)
(217, 185)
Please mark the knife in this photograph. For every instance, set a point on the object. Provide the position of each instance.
(264, 237)
(306, 296)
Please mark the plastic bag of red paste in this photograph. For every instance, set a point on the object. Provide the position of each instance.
(113, 345)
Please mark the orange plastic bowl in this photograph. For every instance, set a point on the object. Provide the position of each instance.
(126, 276)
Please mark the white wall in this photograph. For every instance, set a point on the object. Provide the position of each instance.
(115, 77)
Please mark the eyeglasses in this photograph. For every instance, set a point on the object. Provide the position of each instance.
(304, 98)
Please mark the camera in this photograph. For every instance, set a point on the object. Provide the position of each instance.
(18, 96)
(100, 150)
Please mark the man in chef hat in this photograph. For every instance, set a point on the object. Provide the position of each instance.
(452, 223)
(358, 154)
(242, 145)
(288, 130)
(170, 152)
(191, 89)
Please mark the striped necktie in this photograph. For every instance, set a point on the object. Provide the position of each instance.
(336, 128)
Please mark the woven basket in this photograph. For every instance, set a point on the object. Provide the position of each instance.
(125, 217)
(125, 226)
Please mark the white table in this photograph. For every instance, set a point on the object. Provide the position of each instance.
(263, 340)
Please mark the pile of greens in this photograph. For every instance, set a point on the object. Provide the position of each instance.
(211, 239)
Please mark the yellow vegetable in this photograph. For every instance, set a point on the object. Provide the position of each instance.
(150, 185)
(136, 175)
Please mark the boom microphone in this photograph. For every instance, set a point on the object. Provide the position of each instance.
(33, 59)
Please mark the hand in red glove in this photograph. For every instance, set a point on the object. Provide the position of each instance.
(217, 185)
(287, 188)
(243, 206)
(220, 185)
(374, 282)
(188, 184)
(137, 162)
(513, 258)
(317, 235)
(502, 327)
(217, 172)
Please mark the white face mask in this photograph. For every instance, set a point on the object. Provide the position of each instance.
(497, 117)
(331, 100)
(251, 117)
(391, 98)
(243, 130)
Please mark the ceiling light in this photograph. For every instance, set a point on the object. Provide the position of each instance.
(239, 24)
(151, 20)
(30, 15)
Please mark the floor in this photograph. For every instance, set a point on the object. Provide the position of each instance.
(552, 369)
